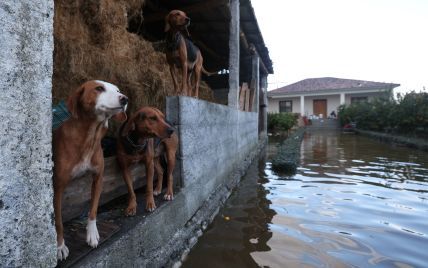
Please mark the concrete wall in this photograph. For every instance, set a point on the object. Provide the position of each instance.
(27, 236)
(217, 144)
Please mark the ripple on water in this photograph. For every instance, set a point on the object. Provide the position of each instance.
(353, 202)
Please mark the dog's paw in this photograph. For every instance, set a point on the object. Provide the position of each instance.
(131, 210)
(62, 251)
(168, 196)
(92, 236)
(150, 204)
(157, 192)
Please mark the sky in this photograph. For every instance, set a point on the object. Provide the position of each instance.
(373, 40)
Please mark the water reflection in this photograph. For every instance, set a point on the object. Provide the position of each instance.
(242, 226)
(353, 202)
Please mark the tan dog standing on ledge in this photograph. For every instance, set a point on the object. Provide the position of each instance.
(144, 137)
(181, 53)
(77, 149)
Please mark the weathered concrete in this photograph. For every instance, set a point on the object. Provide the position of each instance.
(27, 236)
(263, 106)
(233, 100)
(255, 79)
(217, 144)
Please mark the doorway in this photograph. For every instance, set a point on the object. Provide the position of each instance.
(320, 107)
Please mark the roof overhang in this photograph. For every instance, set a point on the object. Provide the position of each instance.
(328, 92)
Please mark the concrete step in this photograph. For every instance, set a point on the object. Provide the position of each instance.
(324, 124)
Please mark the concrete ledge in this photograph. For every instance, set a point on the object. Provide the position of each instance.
(164, 237)
(406, 141)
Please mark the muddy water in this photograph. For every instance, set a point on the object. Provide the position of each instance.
(353, 202)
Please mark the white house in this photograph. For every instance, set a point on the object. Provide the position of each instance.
(316, 96)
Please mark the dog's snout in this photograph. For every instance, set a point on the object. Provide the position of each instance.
(123, 100)
(170, 130)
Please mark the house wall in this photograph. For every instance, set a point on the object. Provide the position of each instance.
(217, 144)
(273, 106)
(370, 96)
(333, 101)
(27, 233)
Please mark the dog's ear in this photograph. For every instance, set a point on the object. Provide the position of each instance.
(129, 126)
(159, 112)
(73, 101)
(142, 116)
(167, 25)
(120, 117)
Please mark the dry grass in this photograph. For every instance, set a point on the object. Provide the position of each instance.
(92, 42)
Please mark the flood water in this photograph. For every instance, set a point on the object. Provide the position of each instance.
(354, 202)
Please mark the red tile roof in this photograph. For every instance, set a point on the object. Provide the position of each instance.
(329, 83)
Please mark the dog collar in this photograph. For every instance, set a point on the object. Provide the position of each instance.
(173, 41)
(133, 147)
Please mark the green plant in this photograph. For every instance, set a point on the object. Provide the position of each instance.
(287, 159)
(409, 113)
(281, 121)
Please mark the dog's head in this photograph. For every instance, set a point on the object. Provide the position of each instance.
(148, 122)
(176, 19)
(98, 98)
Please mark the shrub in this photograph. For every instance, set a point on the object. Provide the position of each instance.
(281, 121)
(287, 158)
(409, 113)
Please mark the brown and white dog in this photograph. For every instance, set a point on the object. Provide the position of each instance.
(77, 149)
(181, 53)
(146, 137)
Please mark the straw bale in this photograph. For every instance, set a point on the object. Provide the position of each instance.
(92, 42)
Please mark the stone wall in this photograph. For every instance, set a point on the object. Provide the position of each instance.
(27, 236)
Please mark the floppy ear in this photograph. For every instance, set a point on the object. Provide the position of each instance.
(129, 126)
(120, 117)
(159, 112)
(73, 101)
(167, 25)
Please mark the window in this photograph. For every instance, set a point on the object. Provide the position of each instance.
(358, 100)
(286, 106)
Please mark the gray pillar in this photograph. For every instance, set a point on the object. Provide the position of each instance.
(233, 98)
(255, 77)
(263, 105)
(27, 236)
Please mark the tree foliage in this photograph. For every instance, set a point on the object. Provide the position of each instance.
(406, 114)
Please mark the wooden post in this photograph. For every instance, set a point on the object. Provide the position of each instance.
(243, 96)
(234, 55)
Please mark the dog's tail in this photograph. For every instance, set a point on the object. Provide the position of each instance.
(208, 73)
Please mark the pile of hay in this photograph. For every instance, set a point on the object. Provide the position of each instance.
(92, 42)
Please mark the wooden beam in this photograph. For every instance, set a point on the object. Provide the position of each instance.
(203, 6)
(209, 50)
(251, 49)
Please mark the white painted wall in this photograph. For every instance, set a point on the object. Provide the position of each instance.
(274, 104)
(333, 101)
(370, 96)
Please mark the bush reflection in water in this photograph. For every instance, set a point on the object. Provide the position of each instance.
(353, 202)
